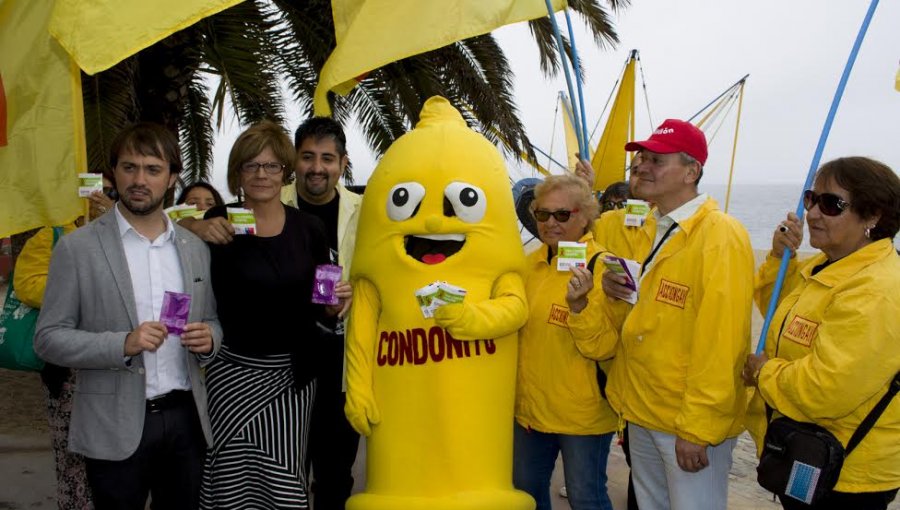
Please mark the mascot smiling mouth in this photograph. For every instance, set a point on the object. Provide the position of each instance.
(433, 249)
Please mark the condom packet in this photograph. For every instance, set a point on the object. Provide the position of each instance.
(570, 254)
(176, 308)
(243, 220)
(437, 294)
(628, 268)
(181, 211)
(89, 183)
(327, 276)
(636, 212)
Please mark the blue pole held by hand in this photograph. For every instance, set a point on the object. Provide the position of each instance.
(786, 257)
(576, 65)
(562, 55)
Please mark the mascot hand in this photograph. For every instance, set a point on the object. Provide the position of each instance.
(446, 315)
(362, 412)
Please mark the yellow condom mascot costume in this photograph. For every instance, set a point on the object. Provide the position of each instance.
(435, 396)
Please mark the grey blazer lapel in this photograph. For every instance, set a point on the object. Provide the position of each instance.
(187, 270)
(111, 241)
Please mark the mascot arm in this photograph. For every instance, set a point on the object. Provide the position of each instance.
(361, 410)
(504, 313)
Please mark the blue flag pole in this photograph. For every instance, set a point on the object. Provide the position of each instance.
(829, 120)
(576, 65)
(562, 56)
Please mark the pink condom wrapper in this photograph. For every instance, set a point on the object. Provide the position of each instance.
(327, 276)
(176, 307)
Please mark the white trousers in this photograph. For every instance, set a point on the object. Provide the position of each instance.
(660, 484)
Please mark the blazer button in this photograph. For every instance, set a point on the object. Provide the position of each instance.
(141, 370)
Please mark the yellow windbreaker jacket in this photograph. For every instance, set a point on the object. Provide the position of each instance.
(834, 346)
(679, 353)
(33, 266)
(557, 388)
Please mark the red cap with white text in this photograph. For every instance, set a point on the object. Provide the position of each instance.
(672, 136)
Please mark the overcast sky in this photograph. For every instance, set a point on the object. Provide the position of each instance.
(692, 50)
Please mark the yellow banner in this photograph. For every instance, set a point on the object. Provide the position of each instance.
(609, 160)
(44, 122)
(101, 33)
(374, 33)
(568, 116)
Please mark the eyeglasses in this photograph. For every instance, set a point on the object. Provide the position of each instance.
(252, 167)
(561, 216)
(829, 203)
(613, 204)
(111, 193)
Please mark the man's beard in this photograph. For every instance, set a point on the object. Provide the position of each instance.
(142, 210)
(317, 189)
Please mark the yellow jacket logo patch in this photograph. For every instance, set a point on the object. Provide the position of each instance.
(559, 316)
(672, 293)
(801, 330)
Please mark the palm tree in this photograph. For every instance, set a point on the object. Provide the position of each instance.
(257, 46)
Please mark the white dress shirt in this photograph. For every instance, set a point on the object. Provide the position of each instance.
(155, 268)
(682, 213)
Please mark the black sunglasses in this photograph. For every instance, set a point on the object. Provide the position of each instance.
(561, 216)
(829, 203)
(609, 205)
(111, 193)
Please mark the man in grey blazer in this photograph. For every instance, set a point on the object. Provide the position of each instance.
(139, 415)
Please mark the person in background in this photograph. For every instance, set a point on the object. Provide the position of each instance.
(614, 197)
(200, 194)
(838, 348)
(321, 161)
(263, 285)
(139, 411)
(559, 405)
(679, 351)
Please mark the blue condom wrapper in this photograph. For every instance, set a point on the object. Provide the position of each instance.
(176, 308)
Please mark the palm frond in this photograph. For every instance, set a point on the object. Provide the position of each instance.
(110, 104)
(235, 46)
(196, 132)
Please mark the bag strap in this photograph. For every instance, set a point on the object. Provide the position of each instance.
(870, 419)
(601, 375)
(57, 233)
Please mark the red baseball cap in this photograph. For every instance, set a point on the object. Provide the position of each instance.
(672, 136)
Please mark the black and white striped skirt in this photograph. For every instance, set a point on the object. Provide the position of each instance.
(260, 427)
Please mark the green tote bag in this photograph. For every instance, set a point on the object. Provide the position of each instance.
(17, 322)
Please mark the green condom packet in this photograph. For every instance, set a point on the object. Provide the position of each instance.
(636, 212)
(181, 211)
(570, 254)
(437, 294)
(243, 220)
(88, 183)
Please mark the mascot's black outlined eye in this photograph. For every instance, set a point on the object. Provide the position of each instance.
(404, 199)
(468, 201)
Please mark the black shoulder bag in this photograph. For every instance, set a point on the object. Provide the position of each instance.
(803, 460)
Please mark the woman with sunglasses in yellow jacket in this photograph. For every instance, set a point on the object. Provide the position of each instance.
(559, 406)
(834, 347)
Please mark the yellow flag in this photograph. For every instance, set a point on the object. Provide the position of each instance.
(572, 150)
(609, 160)
(373, 33)
(101, 33)
(43, 122)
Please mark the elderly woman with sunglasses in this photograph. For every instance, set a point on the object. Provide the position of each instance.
(834, 346)
(559, 406)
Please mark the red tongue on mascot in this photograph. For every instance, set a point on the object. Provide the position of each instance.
(433, 258)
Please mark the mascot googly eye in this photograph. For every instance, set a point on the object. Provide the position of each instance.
(466, 201)
(404, 199)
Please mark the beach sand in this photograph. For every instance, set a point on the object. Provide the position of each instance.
(26, 461)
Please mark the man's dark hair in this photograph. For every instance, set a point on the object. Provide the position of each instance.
(147, 139)
(320, 128)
